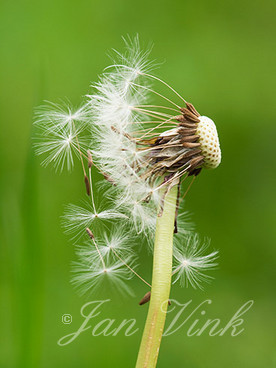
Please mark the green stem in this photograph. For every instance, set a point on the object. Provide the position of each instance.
(161, 282)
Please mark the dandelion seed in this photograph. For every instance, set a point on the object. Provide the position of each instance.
(89, 275)
(145, 299)
(76, 219)
(53, 117)
(119, 241)
(60, 146)
(191, 263)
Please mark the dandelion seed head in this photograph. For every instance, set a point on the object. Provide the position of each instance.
(140, 140)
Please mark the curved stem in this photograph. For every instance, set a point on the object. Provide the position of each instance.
(161, 281)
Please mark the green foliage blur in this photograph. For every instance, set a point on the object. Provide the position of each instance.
(220, 55)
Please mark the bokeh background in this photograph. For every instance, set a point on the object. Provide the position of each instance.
(221, 56)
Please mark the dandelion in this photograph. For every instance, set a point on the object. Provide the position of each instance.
(149, 146)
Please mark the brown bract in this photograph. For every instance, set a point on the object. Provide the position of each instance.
(176, 150)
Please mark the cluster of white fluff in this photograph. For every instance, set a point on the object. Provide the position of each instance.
(116, 112)
(114, 108)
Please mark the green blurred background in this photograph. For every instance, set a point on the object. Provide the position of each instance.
(221, 56)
